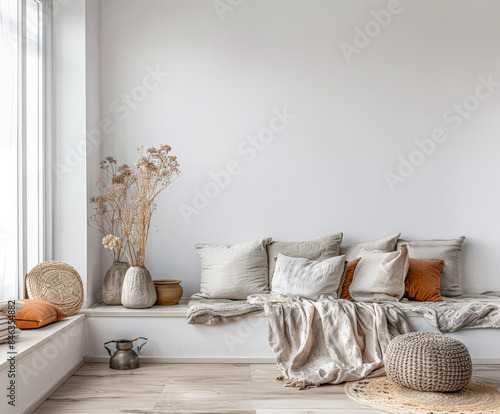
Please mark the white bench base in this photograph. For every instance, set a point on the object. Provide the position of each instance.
(171, 339)
(46, 357)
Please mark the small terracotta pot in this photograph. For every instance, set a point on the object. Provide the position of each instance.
(168, 292)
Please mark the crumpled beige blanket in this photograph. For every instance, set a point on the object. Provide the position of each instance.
(461, 312)
(328, 341)
(218, 311)
(451, 315)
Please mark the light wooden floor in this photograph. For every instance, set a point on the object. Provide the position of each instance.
(200, 388)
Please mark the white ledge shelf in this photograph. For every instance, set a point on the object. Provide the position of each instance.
(102, 310)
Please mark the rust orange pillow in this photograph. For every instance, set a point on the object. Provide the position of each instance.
(423, 281)
(38, 313)
(351, 267)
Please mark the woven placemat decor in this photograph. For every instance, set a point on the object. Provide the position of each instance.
(57, 283)
(385, 395)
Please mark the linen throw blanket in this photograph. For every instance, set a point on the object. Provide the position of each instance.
(328, 341)
(462, 312)
(218, 311)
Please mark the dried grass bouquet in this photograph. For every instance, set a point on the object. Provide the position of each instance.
(106, 217)
(129, 198)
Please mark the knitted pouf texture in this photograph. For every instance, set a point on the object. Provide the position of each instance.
(427, 361)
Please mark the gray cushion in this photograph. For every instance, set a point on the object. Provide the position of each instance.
(447, 250)
(309, 278)
(233, 271)
(318, 250)
(387, 244)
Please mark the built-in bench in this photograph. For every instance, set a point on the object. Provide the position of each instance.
(44, 359)
(171, 339)
(47, 356)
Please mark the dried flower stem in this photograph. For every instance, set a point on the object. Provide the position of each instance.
(129, 199)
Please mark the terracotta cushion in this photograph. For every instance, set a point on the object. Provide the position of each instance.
(351, 267)
(38, 313)
(423, 281)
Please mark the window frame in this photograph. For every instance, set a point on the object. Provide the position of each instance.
(41, 248)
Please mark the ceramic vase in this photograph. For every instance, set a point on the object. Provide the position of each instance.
(168, 292)
(138, 291)
(113, 282)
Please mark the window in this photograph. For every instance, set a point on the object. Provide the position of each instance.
(24, 149)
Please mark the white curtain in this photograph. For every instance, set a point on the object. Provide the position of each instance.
(8, 148)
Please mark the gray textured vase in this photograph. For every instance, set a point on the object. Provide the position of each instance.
(138, 291)
(113, 282)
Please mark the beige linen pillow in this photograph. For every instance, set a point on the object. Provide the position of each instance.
(309, 278)
(10, 307)
(447, 250)
(379, 276)
(6, 329)
(387, 244)
(318, 250)
(233, 271)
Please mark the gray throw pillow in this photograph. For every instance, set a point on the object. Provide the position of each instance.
(233, 271)
(318, 250)
(309, 278)
(387, 244)
(447, 250)
(379, 276)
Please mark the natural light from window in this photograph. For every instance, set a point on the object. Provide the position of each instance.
(21, 138)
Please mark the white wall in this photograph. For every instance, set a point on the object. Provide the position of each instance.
(94, 140)
(77, 138)
(70, 204)
(325, 171)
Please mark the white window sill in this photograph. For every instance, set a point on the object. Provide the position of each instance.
(32, 339)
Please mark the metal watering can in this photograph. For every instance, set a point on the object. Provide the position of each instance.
(125, 357)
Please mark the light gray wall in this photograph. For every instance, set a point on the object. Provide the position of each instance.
(326, 171)
(94, 142)
(69, 164)
(76, 53)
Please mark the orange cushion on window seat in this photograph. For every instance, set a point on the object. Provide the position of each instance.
(37, 313)
(423, 281)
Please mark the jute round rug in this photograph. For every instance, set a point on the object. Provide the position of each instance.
(385, 395)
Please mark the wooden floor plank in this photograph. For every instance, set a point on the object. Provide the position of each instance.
(200, 388)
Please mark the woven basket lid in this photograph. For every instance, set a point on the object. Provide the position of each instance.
(57, 283)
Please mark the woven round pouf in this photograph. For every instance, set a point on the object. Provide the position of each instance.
(57, 283)
(427, 361)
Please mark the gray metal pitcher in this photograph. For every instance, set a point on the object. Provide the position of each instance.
(125, 357)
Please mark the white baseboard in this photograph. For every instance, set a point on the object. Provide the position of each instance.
(486, 361)
(155, 360)
(42, 398)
